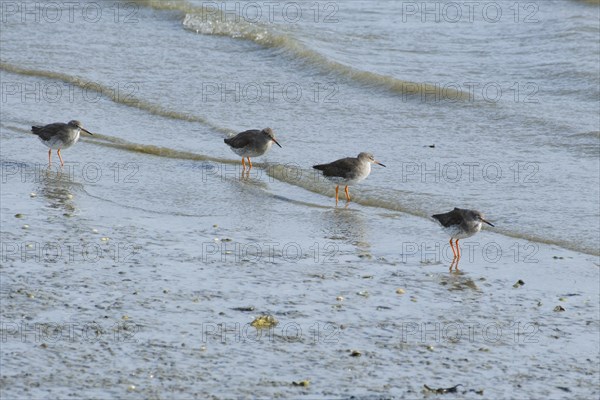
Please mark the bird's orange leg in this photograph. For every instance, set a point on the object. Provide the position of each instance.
(337, 188)
(454, 264)
(249, 162)
(457, 250)
(49, 158)
(347, 194)
(62, 164)
(243, 164)
(452, 247)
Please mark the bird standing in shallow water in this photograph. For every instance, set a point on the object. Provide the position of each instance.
(59, 136)
(348, 171)
(460, 224)
(252, 143)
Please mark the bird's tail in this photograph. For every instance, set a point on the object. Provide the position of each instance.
(320, 167)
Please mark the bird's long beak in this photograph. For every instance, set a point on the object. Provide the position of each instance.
(277, 143)
(377, 162)
(487, 222)
(86, 131)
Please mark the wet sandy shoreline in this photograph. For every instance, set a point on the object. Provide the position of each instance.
(144, 304)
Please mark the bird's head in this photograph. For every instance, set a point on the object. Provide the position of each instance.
(368, 157)
(480, 217)
(269, 133)
(78, 125)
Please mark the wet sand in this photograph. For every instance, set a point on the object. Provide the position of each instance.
(107, 297)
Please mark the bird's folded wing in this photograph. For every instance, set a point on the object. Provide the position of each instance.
(242, 139)
(47, 131)
(341, 168)
(449, 219)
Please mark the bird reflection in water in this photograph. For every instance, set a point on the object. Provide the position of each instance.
(58, 188)
(349, 226)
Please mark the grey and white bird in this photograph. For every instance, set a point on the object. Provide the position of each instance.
(59, 136)
(251, 143)
(461, 224)
(348, 171)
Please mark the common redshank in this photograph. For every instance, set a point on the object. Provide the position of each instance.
(348, 171)
(460, 224)
(252, 143)
(59, 136)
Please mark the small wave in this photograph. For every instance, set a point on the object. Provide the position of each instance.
(265, 37)
(592, 2)
(584, 144)
(159, 151)
(586, 135)
(215, 23)
(130, 101)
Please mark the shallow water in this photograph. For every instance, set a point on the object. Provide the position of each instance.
(141, 255)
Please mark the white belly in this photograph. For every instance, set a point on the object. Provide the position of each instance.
(456, 233)
(56, 143)
(360, 176)
(349, 182)
(249, 151)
